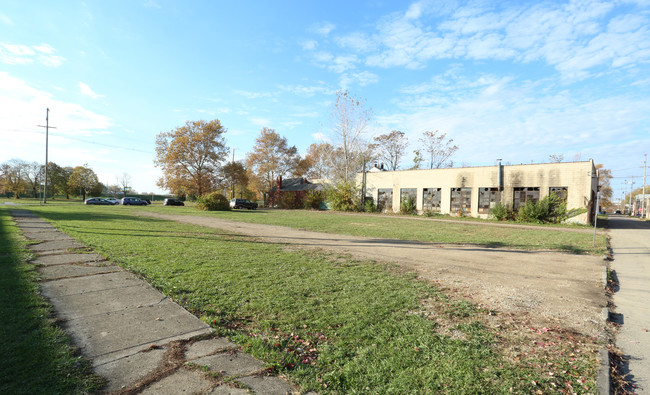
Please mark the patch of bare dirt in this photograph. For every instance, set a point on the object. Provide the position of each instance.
(535, 289)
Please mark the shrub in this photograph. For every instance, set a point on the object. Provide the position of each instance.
(314, 199)
(551, 209)
(344, 196)
(408, 206)
(501, 212)
(369, 206)
(213, 202)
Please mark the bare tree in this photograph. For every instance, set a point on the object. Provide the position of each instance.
(554, 158)
(437, 149)
(391, 147)
(125, 183)
(349, 120)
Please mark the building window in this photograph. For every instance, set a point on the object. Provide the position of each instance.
(408, 194)
(431, 198)
(488, 198)
(561, 192)
(461, 200)
(385, 199)
(523, 195)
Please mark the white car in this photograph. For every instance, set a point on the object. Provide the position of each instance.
(113, 200)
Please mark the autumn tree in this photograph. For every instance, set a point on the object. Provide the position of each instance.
(34, 177)
(349, 121)
(321, 160)
(437, 149)
(271, 157)
(390, 148)
(606, 192)
(190, 157)
(235, 177)
(84, 180)
(12, 177)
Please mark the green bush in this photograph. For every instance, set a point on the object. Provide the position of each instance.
(213, 202)
(502, 212)
(314, 199)
(344, 196)
(551, 209)
(408, 206)
(369, 206)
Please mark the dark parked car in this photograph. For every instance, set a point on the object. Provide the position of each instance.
(133, 201)
(97, 201)
(243, 203)
(618, 211)
(173, 202)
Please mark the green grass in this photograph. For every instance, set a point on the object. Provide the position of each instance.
(487, 234)
(36, 355)
(331, 323)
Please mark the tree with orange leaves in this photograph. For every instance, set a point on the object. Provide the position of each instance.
(190, 157)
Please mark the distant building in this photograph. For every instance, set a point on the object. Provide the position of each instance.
(473, 191)
(291, 191)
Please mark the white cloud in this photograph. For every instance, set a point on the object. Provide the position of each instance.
(362, 79)
(578, 38)
(321, 137)
(323, 28)
(520, 122)
(252, 95)
(86, 91)
(24, 54)
(342, 63)
(308, 91)
(309, 45)
(258, 121)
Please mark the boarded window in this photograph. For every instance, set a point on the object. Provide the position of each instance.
(385, 199)
(523, 195)
(488, 198)
(561, 192)
(407, 194)
(461, 200)
(431, 198)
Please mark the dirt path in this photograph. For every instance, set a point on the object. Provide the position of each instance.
(548, 288)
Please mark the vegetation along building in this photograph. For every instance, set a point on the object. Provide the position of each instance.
(473, 191)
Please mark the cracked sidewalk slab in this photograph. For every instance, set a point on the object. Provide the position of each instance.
(125, 326)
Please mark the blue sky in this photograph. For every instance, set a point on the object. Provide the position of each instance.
(511, 80)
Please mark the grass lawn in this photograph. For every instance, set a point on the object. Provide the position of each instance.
(331, 323)
(568, 238)
(36, 355)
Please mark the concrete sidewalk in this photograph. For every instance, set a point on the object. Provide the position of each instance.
(136, 337)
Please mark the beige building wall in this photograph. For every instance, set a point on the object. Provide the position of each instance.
(578, 177)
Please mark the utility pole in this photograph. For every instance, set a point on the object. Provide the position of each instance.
(232, 185)
(47, 130)
(645, 159)
(631, 189)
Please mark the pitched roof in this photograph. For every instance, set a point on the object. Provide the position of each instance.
(297, 184)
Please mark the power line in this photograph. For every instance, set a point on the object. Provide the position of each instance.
(83, 141)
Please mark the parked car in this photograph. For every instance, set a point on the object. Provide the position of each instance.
(173, 202)
(112, 200)
(146, 201)
(97, 200)
(618, 211)
(133, 201)
(243, 203)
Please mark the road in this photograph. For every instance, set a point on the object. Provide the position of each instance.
(630, 239)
